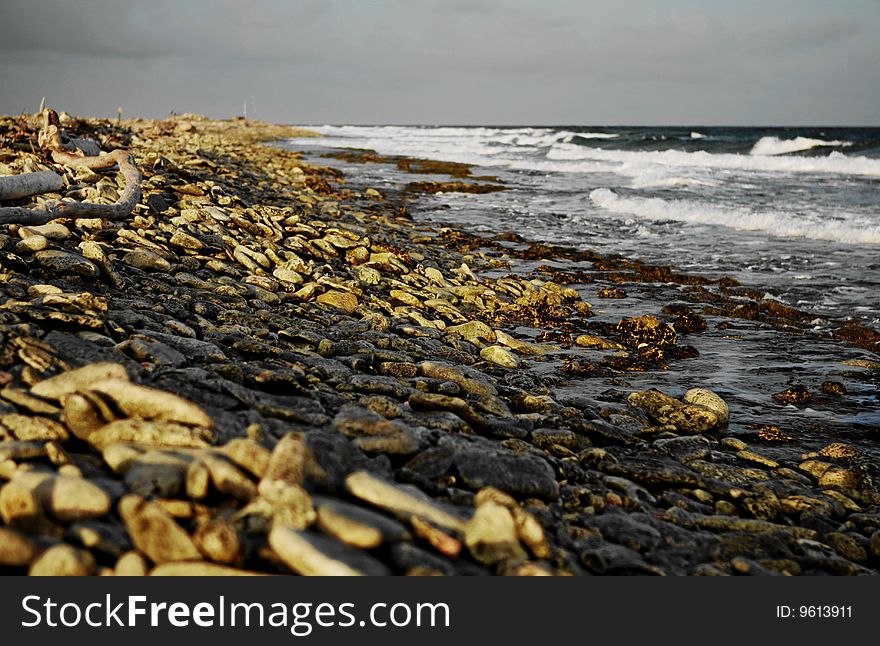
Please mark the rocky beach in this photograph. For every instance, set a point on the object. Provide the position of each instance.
(241, 360)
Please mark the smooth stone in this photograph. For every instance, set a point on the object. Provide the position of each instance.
(154, 532)
(199, 568)
(32, 244)
(152, 403)
(662, 408)
(65, 262)
(16, 549)
(708, 399)
(356, 526)
(311, 554)
(146, 260)
(524, 476)
(400, 500)
(491, 536)
(344, 301)
(78, 379)
(63, 560)
(500, 356)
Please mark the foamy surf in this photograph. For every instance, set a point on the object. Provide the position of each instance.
(776, 146)
(777, 223)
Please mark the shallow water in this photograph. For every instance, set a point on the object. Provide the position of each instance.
(803, 229)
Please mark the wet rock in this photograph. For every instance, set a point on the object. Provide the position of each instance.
(500, 356)
(522, 347)
(372, 432)
(154, 532)
(516, 475)
(474, 331)
(686, 418)
(63, 560)
(597, 343)
(645, 330)
(685, 449)
(796, 395)
(466, 378)
(708, 399)
(311, 554)
(833, 388)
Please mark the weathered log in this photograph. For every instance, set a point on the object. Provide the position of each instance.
(120, 210)
(16, 186)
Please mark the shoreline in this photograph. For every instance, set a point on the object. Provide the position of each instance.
(304, 375)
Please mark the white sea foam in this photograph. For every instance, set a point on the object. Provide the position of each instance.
(527, 149)
(592, 135)
(834, 163)
(777, 146)
(778, 223)
(697, 135)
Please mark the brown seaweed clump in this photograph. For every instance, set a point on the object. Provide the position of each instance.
(649, 330)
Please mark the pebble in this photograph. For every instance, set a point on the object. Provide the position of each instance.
(311, 554)
(500, 356)
(65, 262)
(490, 535)
(78, 379)
(63, 560)
(154, 532)
(16, 549)
(400, 500)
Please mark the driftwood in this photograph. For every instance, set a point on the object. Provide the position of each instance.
(50, 139)
(16, 186)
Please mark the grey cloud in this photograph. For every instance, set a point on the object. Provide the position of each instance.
(802, 35)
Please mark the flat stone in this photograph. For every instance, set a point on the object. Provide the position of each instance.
(524, 476)
(79, 379)
(400, 500)
(146, 260)
(468, 379)
(27, 428)
(65, 262)
(311, 554)
(199, 568)
(500, 356)
(357, 526)
(344, 301)
(151, 403)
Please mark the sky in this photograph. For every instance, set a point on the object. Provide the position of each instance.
(572, 62)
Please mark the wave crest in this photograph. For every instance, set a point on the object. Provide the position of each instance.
(776, 146)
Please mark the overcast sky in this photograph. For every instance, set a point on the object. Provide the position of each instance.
(590, 62)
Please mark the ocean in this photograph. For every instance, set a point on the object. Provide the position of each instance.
(791, 213)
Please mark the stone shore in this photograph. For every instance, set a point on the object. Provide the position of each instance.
(265, 370)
